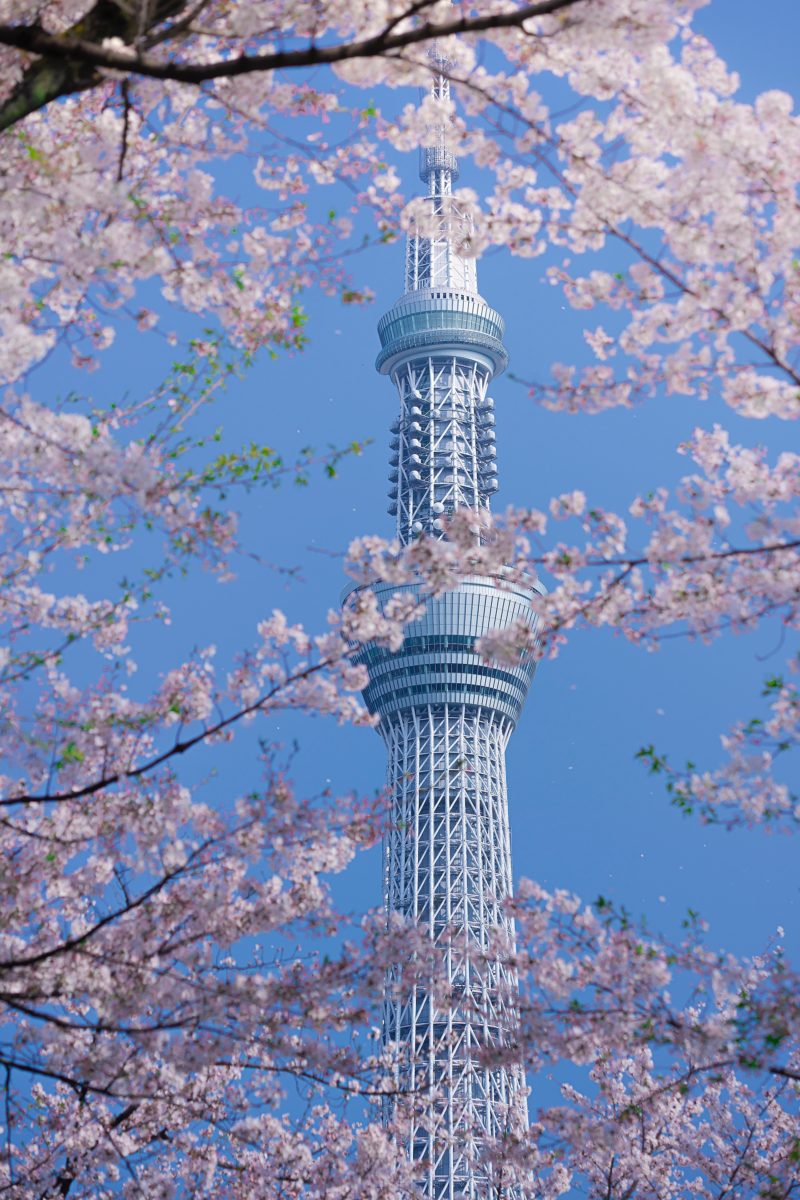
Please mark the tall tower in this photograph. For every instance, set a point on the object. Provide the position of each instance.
(445, 715)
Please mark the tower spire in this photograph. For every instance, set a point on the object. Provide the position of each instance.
(433, 261)
(438, 167)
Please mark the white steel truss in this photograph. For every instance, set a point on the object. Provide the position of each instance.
(444, 442)
(447, 864)
(434, 261)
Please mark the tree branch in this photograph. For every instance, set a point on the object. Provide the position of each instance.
(73, 61)
(179, 747)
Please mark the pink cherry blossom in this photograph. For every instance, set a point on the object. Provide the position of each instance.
(157, 1012)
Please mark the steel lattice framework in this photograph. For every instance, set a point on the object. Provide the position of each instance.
(446, 716)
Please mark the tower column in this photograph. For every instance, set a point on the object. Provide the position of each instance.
(448, 866)
(446, 716)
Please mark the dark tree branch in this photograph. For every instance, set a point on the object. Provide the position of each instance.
(57, 74)
(74, 61)
(784, 1073)
(80, 940)
(179, 747)
(126, 108)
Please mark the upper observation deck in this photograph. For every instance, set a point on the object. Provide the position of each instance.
(442, 320)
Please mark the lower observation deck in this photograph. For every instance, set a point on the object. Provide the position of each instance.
(437, 663)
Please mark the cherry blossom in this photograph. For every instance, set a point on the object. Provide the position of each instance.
(746, 789)
(156, 1009)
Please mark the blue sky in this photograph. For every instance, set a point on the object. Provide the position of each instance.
(584, 814)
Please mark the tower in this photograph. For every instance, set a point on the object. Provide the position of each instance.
(446, 716)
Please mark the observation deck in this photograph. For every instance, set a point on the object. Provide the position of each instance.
(437, 663)
(445, 320)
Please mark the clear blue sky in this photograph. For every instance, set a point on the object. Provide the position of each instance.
(584, 815)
